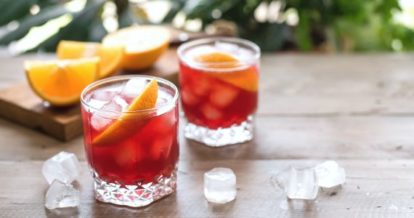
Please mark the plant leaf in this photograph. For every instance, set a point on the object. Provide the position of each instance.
(28, 22)
(303, 32)
(268, 36)
(78, 29)
(97, 30)
(203, 8)
(47, 3)
(14, 9)
(176, 6)
(125, 18)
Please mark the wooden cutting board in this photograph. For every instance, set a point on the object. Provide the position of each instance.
(19, 104)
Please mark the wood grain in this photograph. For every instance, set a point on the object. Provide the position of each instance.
(356, 109)
(362, 137)
(312, 84)
(19, 104)
(367, 193)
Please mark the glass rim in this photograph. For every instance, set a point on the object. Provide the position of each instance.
(250, 45)
(101, 82)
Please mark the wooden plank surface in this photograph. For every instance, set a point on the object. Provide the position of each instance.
(356, 109)
(361, 137)
(21, 105)
(315, 84)
(387, 193)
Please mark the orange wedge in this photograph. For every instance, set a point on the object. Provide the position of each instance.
(217, 60)
(128, 122)
(245, 78)
(61, 82)
(110, 56)
(143, 45)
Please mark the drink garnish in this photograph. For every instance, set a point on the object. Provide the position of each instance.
(131, 119)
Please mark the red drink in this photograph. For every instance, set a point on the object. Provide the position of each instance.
(214, 103)
(130, 149)
(218, 85)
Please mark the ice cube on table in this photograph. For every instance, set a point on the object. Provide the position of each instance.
(61, 195)
(63, 167)
(330, 174)
(301, 184)
(220, 185)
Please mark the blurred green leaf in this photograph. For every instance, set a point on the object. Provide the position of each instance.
(126, 18)
(97, 30)
(303, 32)
(47, 3)
(14, 9)
(242, 14)
(203, 8)
(387, 8)
(78, 29)
(176, 6)
(347, 25)
(269, 36)
(31, 21)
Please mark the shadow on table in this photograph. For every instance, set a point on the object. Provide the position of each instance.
(63, 212)
(161, 207)
(220, 208)
(199, 151)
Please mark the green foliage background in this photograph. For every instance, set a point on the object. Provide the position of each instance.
(339, 25)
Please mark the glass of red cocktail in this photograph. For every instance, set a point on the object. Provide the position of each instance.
(130, 134)
(219, 80)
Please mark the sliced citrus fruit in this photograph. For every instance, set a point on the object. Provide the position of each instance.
(217, 60)
(243, 77)
(143, 45)
(121, 128)
(110, 56)
(60, 82)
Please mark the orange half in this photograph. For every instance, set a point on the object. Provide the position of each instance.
(128, 122)
(143, 45)
(245, 78)
(110, 56)
(61, 82)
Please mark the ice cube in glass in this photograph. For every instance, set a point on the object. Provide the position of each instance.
(219, 81)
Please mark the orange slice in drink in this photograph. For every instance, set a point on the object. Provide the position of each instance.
(242, 77)
(128, 122)
(61, 82)
(110, 56)
(143, 45)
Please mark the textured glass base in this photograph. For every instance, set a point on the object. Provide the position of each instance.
(134, 195)
(222, 136)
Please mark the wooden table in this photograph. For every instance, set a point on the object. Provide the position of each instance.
(356, 109)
